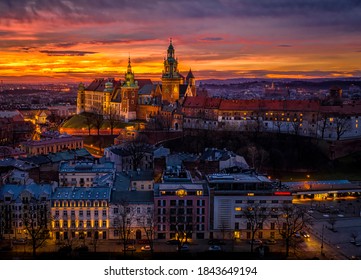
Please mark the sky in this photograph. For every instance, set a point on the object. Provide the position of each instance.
(78, 40)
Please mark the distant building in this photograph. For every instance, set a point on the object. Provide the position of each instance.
(85, 174)
(52, 145)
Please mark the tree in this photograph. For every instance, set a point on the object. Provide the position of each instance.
(36, 221)
(182, 225)
(323, 124)
(255, 217)
(112, 119)
(137, 149)
(148, 225)
(98, 121)
(89, 121)
(332, 221)
(5, 220)
(342, 125)
(291, 220)
(123, 218)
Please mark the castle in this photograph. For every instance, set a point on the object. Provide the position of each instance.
(137, 98)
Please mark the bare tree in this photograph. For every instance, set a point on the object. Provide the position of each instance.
(137, 149)
(89, 121)
(342, 125)
(36, 221)
(296, 126)
(323, 124)
(354, 235)
(291, 220)
(112, 119)
(332, 221)
(255, 217)
(148, 225)
(5, 220)
(123, 219)
(98, 121)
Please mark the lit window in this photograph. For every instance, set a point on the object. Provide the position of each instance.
(237, 209)
(181, 192)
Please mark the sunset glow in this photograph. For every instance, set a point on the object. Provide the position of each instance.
(54, 41)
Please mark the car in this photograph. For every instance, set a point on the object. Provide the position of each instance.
(130, 248)
(214, 248)
(256, 242)
(304, 234)
(183, 248)
(146, 248)
(297, 235)
(173, 242)
(215, 242)
(20, 241)
(271, 241)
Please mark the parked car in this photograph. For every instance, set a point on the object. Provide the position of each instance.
(256, 242)
(305, 234)
(146, 248)
(130, 248)
(215, 242)
(183, 248)
(214, 248)
(20, 241)
(271, 242)
(173, 242)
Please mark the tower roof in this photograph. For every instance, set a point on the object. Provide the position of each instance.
(190, 75)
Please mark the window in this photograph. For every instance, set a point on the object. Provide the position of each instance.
(65, 213)
(88, 213)
(96, 213)
(104, 213)
(115, 211)
(88, 224)
(81, 213)
(104, 224)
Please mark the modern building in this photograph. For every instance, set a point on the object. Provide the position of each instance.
(181, 207)
(233, 196)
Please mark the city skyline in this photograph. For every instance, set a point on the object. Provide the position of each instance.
(54, 41)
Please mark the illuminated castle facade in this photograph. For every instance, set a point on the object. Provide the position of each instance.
(133, 98)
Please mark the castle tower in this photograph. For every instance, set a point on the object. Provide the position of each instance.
(191, 82)
(80, 104)
(129, 95)
(108, 89)
(171, 78)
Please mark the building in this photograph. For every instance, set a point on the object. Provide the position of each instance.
(85, 174)
(181, 207)
(80, 213)
(233, 196)
(17, 202)
(137, 98)
(52, 145)
(131, 215)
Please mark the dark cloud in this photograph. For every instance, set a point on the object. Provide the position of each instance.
(212, 39)
(66, 45)
(66, 53)
(284, 46)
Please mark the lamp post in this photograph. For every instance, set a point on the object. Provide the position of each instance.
(323, 226)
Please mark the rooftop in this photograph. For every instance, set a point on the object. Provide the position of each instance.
(86, 167)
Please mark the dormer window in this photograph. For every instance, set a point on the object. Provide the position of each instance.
(7, 198)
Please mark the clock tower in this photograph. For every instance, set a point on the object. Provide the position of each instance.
(171, 78)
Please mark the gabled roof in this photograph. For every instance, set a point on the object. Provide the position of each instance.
(99, 84)
(132, 197)
(194, 102)
(81, 193)
(147, 89)
(143, 82)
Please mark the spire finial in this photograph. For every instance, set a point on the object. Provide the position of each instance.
(170, 40)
